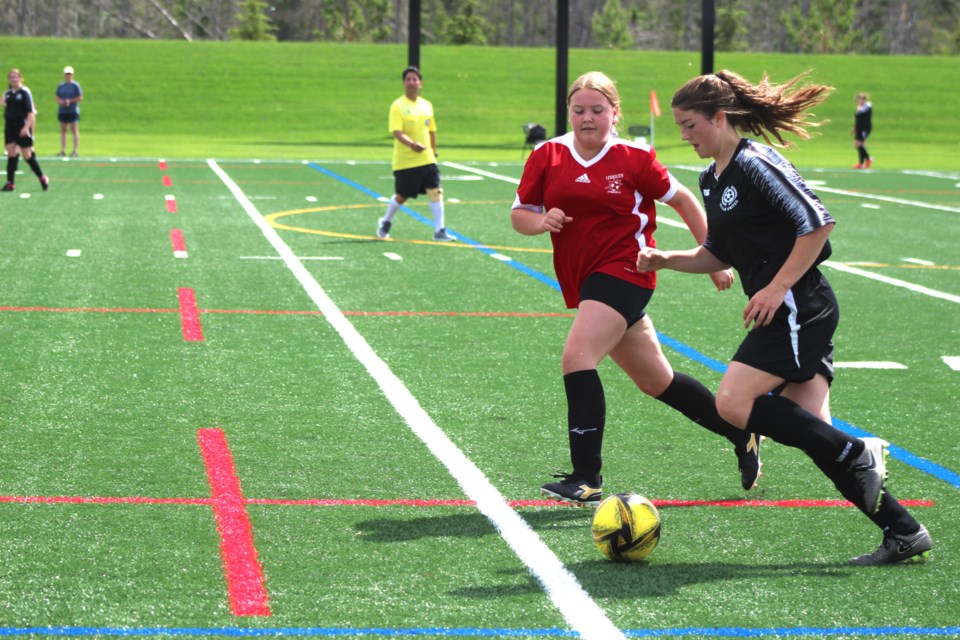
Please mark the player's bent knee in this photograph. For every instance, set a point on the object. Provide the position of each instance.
(435, 195)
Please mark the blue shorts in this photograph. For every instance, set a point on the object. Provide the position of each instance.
(67, 118)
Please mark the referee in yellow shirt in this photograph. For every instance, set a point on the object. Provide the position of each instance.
(415, 169)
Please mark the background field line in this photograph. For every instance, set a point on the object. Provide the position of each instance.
(892, 281)
(562, 587)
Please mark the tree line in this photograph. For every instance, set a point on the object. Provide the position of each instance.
(896, 27)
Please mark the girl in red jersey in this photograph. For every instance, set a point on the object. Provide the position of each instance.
(594, 194)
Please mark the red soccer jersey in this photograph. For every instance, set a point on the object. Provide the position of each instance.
(611, 200)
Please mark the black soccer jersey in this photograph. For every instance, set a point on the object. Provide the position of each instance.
(19, 104)
(756, 209)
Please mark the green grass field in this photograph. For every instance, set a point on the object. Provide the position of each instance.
(324, 101)
(230, 411)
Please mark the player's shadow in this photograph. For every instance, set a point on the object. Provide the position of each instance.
(461, 525)
(656, 579)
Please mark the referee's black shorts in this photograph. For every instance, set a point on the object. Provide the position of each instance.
(798, 344)
(409, 183)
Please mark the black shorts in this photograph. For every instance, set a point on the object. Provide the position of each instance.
(67, 118)
(409, 183)
(11, 135)
(628, 299)
(798, 344)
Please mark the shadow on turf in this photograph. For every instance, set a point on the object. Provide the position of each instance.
(604, 579)
(464, 525)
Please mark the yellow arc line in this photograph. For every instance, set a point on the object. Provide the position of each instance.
(273, 217)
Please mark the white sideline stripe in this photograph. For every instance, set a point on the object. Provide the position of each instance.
(892, 281)
(580, 611)
(866, 364)
(870, 196)
(953, 362)
(481, 172)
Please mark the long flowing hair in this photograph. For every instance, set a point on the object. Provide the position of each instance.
(764, 109)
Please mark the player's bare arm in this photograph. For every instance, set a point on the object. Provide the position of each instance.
(697, 260)
(531, 223)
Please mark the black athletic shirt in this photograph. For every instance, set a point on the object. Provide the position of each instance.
(19, 104)
(756, 209)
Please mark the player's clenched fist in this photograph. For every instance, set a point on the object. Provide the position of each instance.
(649, 259)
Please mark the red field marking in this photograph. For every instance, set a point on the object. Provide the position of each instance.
(336, 502)
(163, 165)
(179, 245)
(189, 315)
(248, 594)
(167, 181)
(171, 204)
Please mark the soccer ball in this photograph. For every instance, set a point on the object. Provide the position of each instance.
(626, 527)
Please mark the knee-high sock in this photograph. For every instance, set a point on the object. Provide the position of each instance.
(392, 206)
(436, 209)
(35, 166)
(788, 423)
(688, 396)
(12, 162)
(586, 417)
(890, 515)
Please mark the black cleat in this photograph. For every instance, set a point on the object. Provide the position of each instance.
(573, 490)
(896, 548)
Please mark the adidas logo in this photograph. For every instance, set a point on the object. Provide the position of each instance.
(584, 179)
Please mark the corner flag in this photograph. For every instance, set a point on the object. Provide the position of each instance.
(654, 104)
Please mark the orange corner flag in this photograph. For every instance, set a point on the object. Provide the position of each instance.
(654, 104)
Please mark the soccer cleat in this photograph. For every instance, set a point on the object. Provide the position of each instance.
(61, 154)
(869, 471)
(858, 166)
(748, 461)
(441, 236)
(73, 155)
(8, 187)
(896, 548)
(573, 490)
(383, 228)
(867, 163)
(45, 183)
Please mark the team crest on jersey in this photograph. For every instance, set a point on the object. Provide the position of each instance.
(614, 183)
(728, 199)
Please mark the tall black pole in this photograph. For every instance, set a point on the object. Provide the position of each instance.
(706, 42)
(563, 50)
(413, 36)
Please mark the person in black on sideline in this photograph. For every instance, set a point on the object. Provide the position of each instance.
(20, 116)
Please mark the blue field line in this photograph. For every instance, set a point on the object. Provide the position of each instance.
(469, 632)
(897, 453)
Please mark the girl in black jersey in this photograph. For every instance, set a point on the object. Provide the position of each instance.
(767, 224)
(19, 117)
(862, 125)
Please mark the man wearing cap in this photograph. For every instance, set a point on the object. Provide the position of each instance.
(69, 96)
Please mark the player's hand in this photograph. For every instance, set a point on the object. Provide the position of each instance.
(722, 280)
(417, 147)
(762, 306)
(554, 220)
(650, 259)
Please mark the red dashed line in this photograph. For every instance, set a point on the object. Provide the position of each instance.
(179, 245)
(245, 585)
(167, 181)
(171, 204)
(163, 165)
(189, 316)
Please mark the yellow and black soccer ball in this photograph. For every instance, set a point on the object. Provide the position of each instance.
(626, 527)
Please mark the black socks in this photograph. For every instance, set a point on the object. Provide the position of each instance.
(586, 417)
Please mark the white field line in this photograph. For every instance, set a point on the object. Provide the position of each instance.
(892, 281)
(580, 611)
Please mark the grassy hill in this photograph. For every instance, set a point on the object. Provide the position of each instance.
(313, 100)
